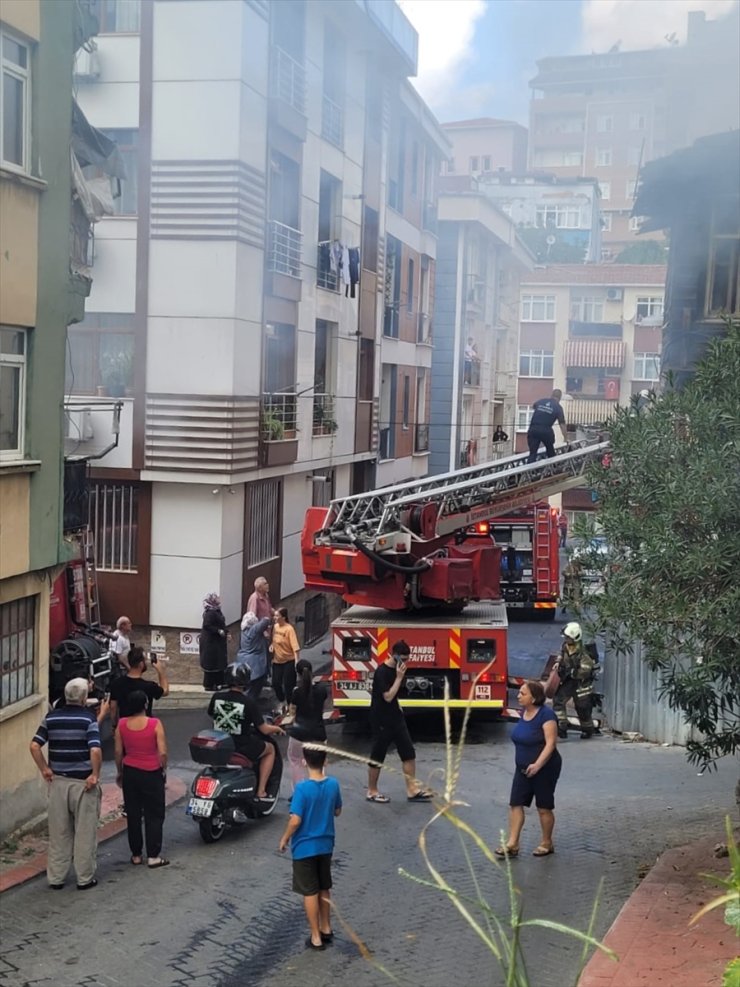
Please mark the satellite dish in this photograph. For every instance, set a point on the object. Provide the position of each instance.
(551, 240)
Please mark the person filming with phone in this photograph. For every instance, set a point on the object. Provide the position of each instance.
(134, 681)
(388, 726)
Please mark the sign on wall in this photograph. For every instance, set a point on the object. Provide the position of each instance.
(189, 643)
(157, 642)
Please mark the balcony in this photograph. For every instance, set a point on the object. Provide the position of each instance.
(397, 28)
(288, 80)
(611, 329)
(502, 383)
(421, 438)
(278, 429)
(332, 121)
(596, 353)
(325, 276)
(324, 422)
(284, 252)
(471, 376)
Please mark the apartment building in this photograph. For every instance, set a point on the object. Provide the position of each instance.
(42, 290)
(594, 331)
(263, 299)
(485, 145)
(474, 365)
(606, 115)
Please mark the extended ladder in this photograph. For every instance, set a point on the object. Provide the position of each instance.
(455, 500)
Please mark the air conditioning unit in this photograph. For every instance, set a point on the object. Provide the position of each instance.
(78, 424)
(614, 294)
(87, 63)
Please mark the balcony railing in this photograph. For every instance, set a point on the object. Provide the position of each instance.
(471, 377)
(325, 276)
(278, 420)
(421, 438)
(288, 80)
(332, 121)
(324, 422)
(284, 256)
(502, 382)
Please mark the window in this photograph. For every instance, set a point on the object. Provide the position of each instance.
(647, 366)
(523, 417)
(538, 308)
(606, 190)
(15, 64)
(366, 371)
(334, 86)
(114, 520)
(12, 392)
(120, 16)
(486, 162)
(125, 202)
(474, 163)
(634, 156)
(406, 401)
(392, 287)
(586, 309)
(561, 217)
(410, 286)
(635, 223)
(415, 169)
(638, 121)
(536, 363)
(603, 157)
(263, 501)
(649, 307)
(17, 650)
(606, 223)
(369, 253)
(630, 189)
(552, 158)
(99, 359)
(723, 270)
(604, 124)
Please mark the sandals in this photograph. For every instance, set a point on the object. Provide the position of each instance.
(162, 862)
(327, 937)
(420, 796)
(136, 861)
(543, 851)
(377, 798)
(502, 852)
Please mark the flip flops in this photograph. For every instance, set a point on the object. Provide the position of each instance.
(377, 798)
(420, 796)
(162, 862)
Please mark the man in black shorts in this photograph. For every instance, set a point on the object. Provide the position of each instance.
(389, 726)
(235, 713)
(547, 411)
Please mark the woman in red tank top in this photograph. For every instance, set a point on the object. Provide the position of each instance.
(141, 760)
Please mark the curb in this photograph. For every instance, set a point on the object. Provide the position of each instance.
(176, 789)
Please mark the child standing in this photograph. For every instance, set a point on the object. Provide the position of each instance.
(310, 830)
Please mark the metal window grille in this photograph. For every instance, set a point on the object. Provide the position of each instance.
(17, 650)
(285, 249)
(114, 519)
(316, 615)
(264, 522)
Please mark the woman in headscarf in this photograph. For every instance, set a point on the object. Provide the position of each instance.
(252, 651)
(213, 639)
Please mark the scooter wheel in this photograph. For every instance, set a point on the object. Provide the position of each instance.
(211, 830)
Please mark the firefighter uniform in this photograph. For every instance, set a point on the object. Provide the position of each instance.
(577, 670)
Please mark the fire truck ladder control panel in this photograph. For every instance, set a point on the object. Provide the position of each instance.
(436, 506)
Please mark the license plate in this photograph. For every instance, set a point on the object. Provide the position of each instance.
(201, 808)
(483, 692)
(350, 686)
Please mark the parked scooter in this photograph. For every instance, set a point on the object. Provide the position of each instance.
(224, 792)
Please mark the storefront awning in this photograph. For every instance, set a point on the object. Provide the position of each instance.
(601, 353)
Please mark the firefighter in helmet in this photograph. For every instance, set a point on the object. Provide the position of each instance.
(577, 667)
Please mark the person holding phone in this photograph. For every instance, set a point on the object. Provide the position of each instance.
(134, 681)
(388, 726)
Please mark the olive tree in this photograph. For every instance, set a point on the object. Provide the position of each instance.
(669, 505)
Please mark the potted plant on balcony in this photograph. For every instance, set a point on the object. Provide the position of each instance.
(273, 429)
(115, 372)
(323, 423)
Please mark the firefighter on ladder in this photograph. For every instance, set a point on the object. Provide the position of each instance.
(577, 667)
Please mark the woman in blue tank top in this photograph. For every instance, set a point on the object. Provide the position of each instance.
(537, 769)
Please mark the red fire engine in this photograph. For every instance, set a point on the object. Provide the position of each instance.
(414, 563)
(530, 558)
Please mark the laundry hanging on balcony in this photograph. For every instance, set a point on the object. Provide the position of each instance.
(343, 262)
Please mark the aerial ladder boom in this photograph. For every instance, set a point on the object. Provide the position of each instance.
(382, 547)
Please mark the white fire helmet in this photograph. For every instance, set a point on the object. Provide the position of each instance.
(573, 631)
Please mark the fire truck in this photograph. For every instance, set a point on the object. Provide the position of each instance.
(530, 558)
(415, 561)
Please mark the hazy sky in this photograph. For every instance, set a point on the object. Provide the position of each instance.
(476, 57)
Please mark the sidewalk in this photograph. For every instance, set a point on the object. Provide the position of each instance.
(651, 934)
(29, 860)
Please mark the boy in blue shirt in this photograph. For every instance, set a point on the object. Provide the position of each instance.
(310, 830)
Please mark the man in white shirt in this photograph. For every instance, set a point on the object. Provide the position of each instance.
(121, 643)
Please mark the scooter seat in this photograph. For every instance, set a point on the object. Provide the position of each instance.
(240, 760)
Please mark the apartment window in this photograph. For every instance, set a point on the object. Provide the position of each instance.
(552, 158)
(638, 121)
(586, 309)
(603, 157)
(536, 363)
(120, 16)
(630, 189)
(12, 392)
(99, 359)
(369, 256)
(604, 124)
(392, 287)
(263, 502)
(486, 162)
(647, 366)
(474, 163)
(634, 156)
(538, 308)
(523, 417)
(606, 222)
(561, 217)
(15, 64)
(366, 371)
(17, 650)
(334, 85)
(635, 223)
(397, 166)
(649, 307)
(723, 271)
(126, 202)
(406, 406)
(606, 190)
(114, 520)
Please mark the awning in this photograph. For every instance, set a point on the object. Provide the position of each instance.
(588, 412)
(602, 353)
(92, 147)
